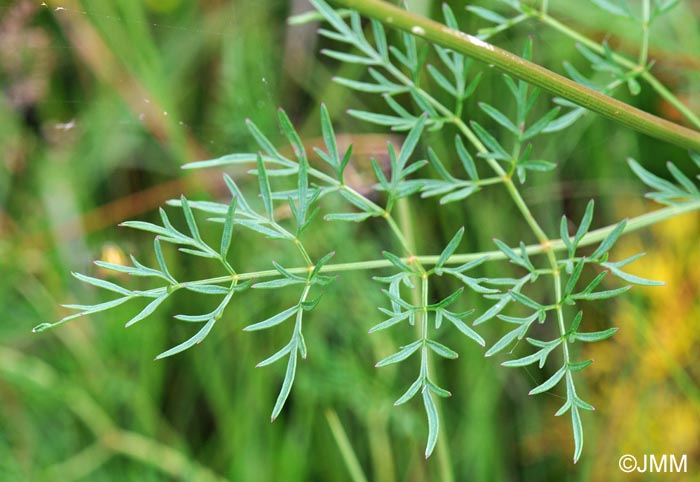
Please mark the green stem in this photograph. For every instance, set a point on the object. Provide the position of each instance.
(592, 237)
(345, 447)
(646, 75)
(528, 71)
(646, 17)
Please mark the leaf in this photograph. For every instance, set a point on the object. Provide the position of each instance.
(487, 14)
(274, 320)
(682, 179)
(527, 301)
(550, 382)
(228, 229)
(585, 224)
(150, 308)
(450, 248)
(461, 326)
(442, 81)
(278, 283)
(458, 195)
(411, 141)
(287, 384)
(539, 126)
(265, 188)
(329, 137)
(411, 392)
(433, 422)
(578, 432)
(505, 340)
(278, 355)
(595, 335)
(398, 262)
(401, 355)
(382, 119)
(613, 7)
(221, 161)
(465, 158)
(189, 218)
(442, 350)
(609, 240)
(352, 217)
(499, 117)
(573, 279)
(448, 300)
(206, 289)
(491, 143)
(197, 338)
(102, 284)
(390, 322)
(601, 295)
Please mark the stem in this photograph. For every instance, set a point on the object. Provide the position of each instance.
(528, 71)
(345, 447)
(592, 237)
(646, 75)
(644, 51)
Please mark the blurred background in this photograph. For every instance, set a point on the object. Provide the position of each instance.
(101, 104)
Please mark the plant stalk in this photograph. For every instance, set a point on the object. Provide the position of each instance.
(530, 72)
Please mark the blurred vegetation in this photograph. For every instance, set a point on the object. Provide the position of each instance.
(102, 102)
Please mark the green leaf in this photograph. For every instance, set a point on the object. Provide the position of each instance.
(573, 279)
(458, 195)
(601, 295)
(442, 350)
(442, 81)
(505, 340)
(274, 320)
(550, 382)
(539, 126)
(329, 137)
(609, 240)
(614, 7)
(585, 224)
(228, 229)
(411, 141)
(287, 384)
(150, 308)
(352, 217)
(401, 355)
(103, 284)
(278, 355)
(525, 300)
(499, 117)
(487, 14)
(390, 322)
(433, 422)
(448, 300)
(450, 248)
(398, 262)
(265, 188)
(595, 335)
(197, 338)
(465, 158)
(461, 326)
(682, 179)
(410, 393)
(206, 289)
(578, 432)
(491, 143)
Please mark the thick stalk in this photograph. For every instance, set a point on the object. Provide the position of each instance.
(646, 75)
(528, 71)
